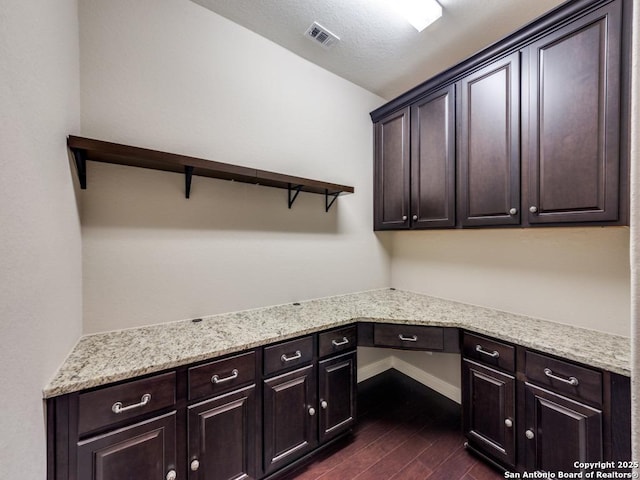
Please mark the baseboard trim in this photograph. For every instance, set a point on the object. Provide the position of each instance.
(375, 368)
(444, 388)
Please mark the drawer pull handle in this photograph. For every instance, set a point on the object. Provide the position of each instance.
(296, 356)
(494, 354)
(344, 341)
(118, 408)
(216, 379)
(573, 381)
(412, 338)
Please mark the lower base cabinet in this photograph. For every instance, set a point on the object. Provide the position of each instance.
(310, 405)
(337, 395)
(222, 437)
(255, 414)
(559, 432)
(289, 421)
(145, 450)
(531, 412)
(245, 416)
(490, 411)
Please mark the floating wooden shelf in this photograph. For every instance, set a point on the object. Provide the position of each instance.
(87, 149)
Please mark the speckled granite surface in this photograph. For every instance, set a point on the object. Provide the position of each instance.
(112, 356)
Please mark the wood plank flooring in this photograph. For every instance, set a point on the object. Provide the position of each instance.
(405, 431)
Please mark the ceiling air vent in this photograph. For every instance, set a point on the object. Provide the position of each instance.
(321, 35)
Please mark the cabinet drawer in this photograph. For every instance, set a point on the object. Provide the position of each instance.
(111, 405)
(221, 375)
(337, 341)
(408, 337)
(489, 351)
(289, 354)
(564, 377)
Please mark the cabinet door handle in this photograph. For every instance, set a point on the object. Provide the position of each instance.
(216, 379)
(415, 218)
(404, 218)
(494, 354)
(533, 209)
(513, 211)
(171, 475)
(573, 381)
(295, 356)
(118, 408)
(344, 341)
(312, 411)
(195, 465)
(529, 434)
(508, 422)
(412, 338)
(324, 404)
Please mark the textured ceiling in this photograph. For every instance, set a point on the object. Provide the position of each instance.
(379, 50)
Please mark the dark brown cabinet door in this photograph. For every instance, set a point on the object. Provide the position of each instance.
(222, 433)
(573, 114)
(337, 395)
(290, 419)
(489, 145)
(433, 160)
(144, 451)
(559, 432)
(489, 411)
(391, 172)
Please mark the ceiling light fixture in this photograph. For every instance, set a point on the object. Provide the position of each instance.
(419, 13)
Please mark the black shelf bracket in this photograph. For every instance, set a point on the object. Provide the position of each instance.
(188, 174)
(327, 203)
(81, 165)
(296, 189)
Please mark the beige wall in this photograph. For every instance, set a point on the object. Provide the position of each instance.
(41, 290)
(577, 276)
(174, 76)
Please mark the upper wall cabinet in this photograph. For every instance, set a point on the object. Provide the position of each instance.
(433, 160)
(531, 131)
(391, 207)
(573, 117)
(416, 189)
(489, 142)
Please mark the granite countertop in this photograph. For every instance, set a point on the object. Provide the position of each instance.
(108, 357)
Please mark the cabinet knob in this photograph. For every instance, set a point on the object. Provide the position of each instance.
(508, 422)
(195, 465)
(529, 434)
(312, 411)
(513, 211)
(404, 218)
(171, 475)
(415, 218)
(324, 404)
(533, 209)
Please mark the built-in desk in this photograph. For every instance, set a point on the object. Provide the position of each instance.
(166, 361)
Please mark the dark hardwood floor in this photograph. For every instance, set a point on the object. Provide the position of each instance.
(405, 431)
